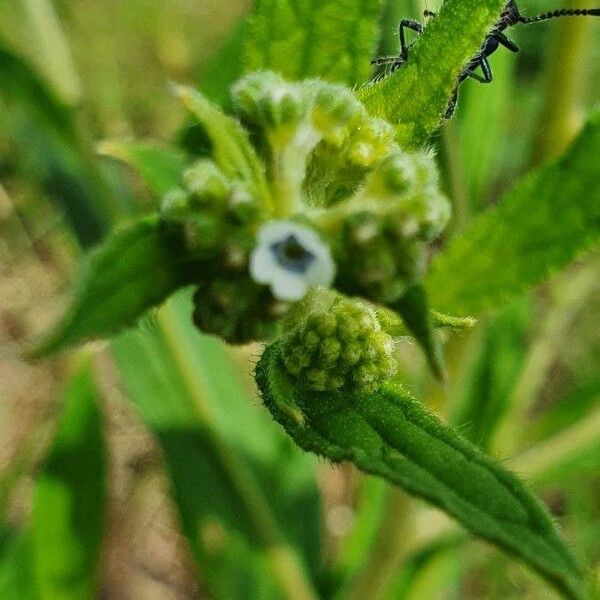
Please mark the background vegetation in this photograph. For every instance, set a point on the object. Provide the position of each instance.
(524, 385)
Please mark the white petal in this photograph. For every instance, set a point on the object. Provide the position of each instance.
(274, 231)
(289, 287)
(263, 268)
(321, 271)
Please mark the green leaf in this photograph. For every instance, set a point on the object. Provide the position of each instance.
(188, 393)
(416, 95)
(540, 226)
(226, 67)
(159, 168)
(69, 498)
(413, 307)
(16, 566)
(331, 39)
(231, 148)
(391, 435)
(497, 362)
(135, 268)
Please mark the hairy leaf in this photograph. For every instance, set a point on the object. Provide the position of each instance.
(134, 269)
(69, 498)
(389, 434)
(159, 168)
(416, 95)
(189, 393)
(542, 224)
(231, 148)
(332, 39)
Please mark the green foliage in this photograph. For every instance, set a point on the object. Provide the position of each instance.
(231, 149)
(492, 374)
(543, 223)
(69, 499)
(413, 307)
(332, 39)
(415, 96)
(16, 569)
(389, 434)
(137, 268)
(159, 168)
(229, 468)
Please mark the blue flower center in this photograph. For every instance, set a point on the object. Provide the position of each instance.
(291, 255)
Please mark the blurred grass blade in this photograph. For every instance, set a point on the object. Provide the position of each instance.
(69, 498)
(484, 118)
(226, 67)
(134, 269)
(492, 374)
(47, 134)
(415, 96)
(389, 434)
(237, 487)
(16, 566)
(540, 226)
(158, 167)
(331, 39)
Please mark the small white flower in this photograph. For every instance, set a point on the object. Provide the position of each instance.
(290, 258)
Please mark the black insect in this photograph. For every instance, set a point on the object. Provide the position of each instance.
(495, 38)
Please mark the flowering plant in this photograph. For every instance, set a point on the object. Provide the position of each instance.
(308, 225)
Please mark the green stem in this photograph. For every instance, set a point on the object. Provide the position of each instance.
(284, 563)
(548, 455)
(571, 295)
(566, 70)
(388, 553)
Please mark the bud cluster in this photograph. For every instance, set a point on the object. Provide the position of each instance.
(339, 347)
(216, 214)
(384, 228)
(237, 309)
(322, 196)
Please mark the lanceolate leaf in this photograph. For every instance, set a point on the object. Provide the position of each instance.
(540, 226)
(134, 269)
(231, 148)
(159, 168)
(332, 39)
(391, 435)
(416, 95)
(238, 489)
(69, 499)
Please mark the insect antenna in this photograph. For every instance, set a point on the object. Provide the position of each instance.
(562, 12)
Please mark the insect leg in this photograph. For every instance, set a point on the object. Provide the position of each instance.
(409, 24)
(485, 68)
(506, 42)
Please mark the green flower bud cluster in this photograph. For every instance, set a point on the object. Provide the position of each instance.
(216, 215)
(407, 185)
(384, 229)
(270, 102)
(339, 347)
(317, 132)
(237, 310)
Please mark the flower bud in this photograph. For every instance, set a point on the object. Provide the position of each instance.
(376, 260)
(267, 100)
(206, 184)
(334, 112)
(237, 310)
(339, 347)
